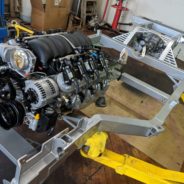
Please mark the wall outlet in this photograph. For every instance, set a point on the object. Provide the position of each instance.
(44, 1)
(57, 2)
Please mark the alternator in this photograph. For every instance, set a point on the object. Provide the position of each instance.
(41, 92)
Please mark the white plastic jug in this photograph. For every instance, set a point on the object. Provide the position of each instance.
(26, 11)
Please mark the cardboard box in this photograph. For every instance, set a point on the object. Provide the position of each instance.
(52, 15)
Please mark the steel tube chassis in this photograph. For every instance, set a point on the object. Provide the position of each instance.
(35, 168)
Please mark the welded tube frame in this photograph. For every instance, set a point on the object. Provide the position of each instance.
(172, 72)
(106, 41)
(145, 88)
(37, 168)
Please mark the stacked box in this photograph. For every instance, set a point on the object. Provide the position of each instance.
(53, 14)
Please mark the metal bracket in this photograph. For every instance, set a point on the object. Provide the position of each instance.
(9, 140)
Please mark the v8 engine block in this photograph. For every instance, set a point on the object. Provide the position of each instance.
(45, 76)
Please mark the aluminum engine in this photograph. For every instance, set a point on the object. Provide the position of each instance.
(45, 76)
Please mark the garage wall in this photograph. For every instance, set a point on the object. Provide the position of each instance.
(169, 12)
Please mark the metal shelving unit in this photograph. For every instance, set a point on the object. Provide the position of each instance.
(88, 9)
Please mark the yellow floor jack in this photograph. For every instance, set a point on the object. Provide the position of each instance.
(182, 98)
(126, 165)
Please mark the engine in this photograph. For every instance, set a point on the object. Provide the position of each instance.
(45, 76)
(148, 43)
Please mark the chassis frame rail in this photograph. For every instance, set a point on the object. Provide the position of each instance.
(35, 168)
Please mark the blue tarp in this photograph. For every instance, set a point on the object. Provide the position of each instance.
(3, 29)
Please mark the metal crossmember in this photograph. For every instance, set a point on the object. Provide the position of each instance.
(167, 55)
